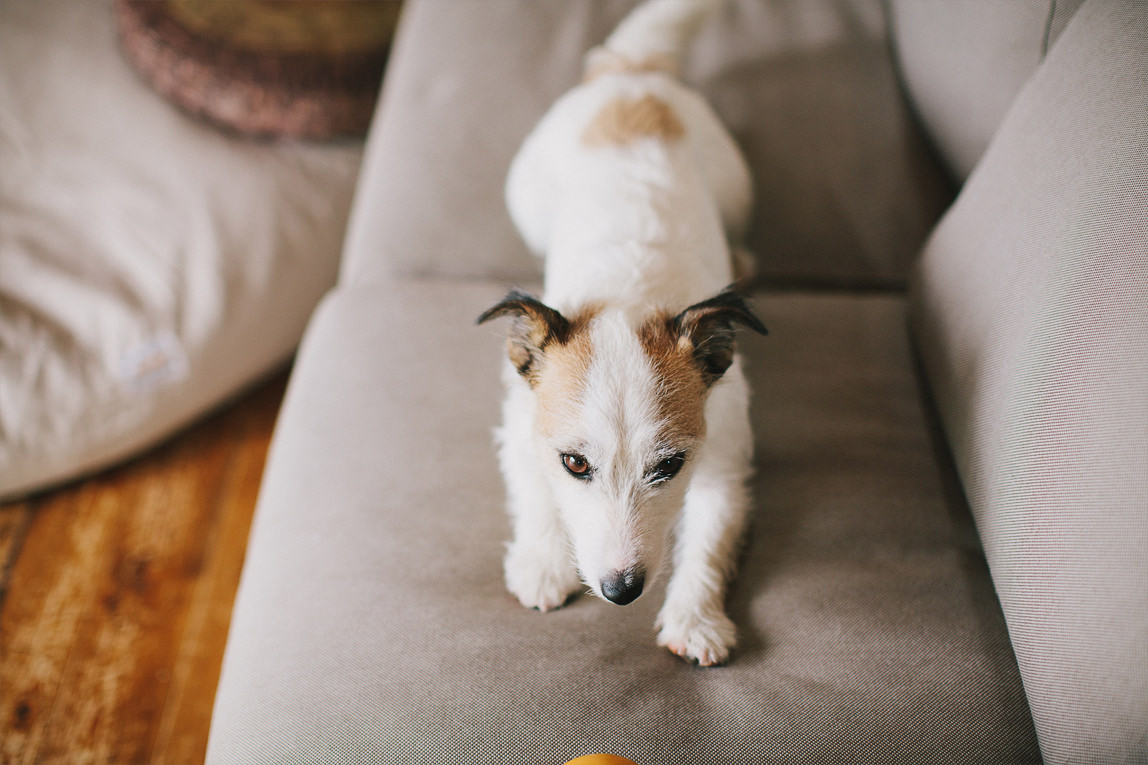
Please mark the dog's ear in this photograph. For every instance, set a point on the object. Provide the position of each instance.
(708, 328)
(536, 325)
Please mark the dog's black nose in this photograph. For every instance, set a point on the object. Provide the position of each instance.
(623, 587)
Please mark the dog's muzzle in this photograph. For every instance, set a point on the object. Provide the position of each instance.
(623, 587)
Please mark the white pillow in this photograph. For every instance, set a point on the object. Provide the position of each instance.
(150, 265)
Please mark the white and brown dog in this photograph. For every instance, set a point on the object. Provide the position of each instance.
(625, 418)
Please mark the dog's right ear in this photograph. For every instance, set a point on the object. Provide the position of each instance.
(536, 325)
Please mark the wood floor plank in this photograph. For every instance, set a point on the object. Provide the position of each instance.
(113, 628)
(183, 728)
(14, 519)
(50, 593)
(119, 671)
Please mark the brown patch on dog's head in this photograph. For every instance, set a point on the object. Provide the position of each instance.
(700, 337)
(561, 379)
(681, 385)
(625, 120)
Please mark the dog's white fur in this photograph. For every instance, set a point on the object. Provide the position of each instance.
(634, 224)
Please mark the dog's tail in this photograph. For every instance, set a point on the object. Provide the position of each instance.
(654, 37)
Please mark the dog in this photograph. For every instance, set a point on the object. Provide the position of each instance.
(625, 438)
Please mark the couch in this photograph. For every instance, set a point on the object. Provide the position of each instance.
(946, 561)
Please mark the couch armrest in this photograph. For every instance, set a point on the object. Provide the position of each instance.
(1031, 312)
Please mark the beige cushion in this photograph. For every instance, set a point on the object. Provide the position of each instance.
(372, 623)
(150, 266)
(1032, 312)
(964, 62)
(846, 192)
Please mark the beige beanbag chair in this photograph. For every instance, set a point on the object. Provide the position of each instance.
(151, 265)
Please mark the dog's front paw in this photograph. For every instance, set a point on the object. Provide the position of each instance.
(697, 636)
(540, 579)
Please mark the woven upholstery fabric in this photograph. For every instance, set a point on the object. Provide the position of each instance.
(1033, 315)
(963, 64)
(846, 189)
(372, 624)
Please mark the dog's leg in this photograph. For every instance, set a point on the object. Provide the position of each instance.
(693, 622)
(539, 568)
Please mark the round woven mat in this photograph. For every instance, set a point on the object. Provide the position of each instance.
(287, 68)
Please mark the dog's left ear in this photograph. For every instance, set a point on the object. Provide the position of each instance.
(536, 326)
(708, 327)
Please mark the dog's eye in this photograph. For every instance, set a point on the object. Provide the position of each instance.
(667, 468)
(576, 465)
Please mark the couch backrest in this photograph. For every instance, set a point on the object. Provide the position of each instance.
(847, 191)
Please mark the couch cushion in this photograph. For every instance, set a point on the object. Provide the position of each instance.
(372, 623)
(964, 63)
(846, 192)
(1033, 316)
(150, 266)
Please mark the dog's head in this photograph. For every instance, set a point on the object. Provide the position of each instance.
(619, 419)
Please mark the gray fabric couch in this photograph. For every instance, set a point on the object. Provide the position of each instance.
(947, 560)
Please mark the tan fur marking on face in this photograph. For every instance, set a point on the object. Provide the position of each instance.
(681, 403)
(560, 381)
(624, 120)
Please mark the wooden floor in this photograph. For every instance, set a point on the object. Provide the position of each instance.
(116, 594)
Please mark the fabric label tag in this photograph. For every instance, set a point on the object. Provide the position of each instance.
(158, 361)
